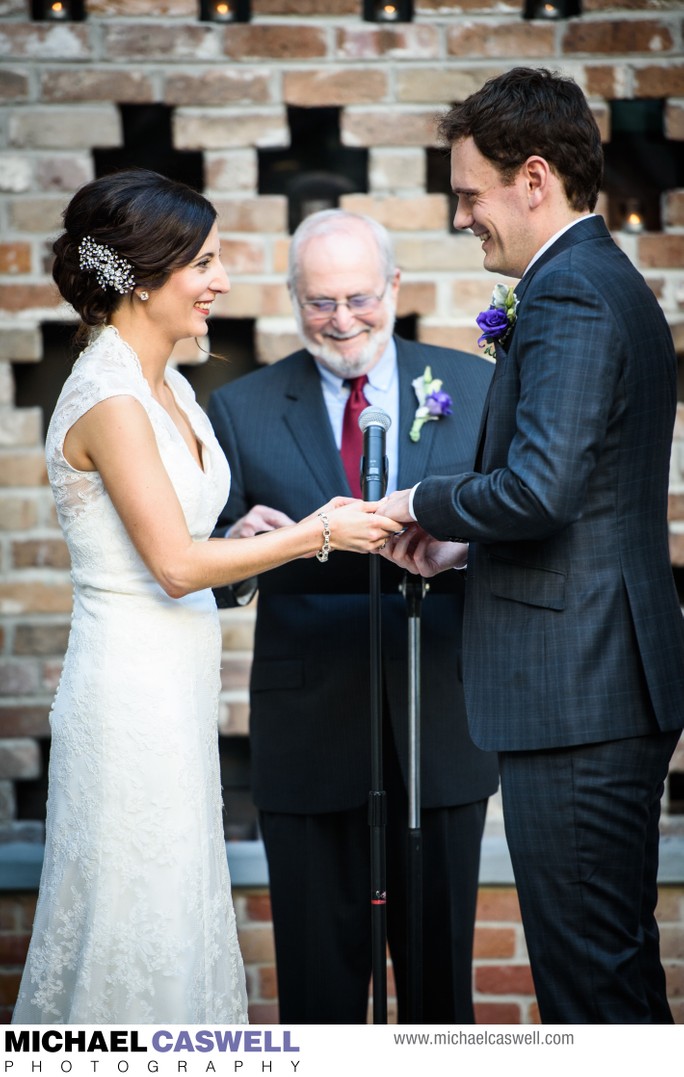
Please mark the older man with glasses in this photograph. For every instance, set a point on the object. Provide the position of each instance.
(291, 434)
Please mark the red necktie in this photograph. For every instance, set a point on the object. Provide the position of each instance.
(351, 448)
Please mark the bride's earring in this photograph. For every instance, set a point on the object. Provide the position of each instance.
(144, 296)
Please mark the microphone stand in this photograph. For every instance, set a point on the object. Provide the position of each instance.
(414, 589)
(377, 809)
(374, 422)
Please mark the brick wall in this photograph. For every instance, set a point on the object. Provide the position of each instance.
(503, 989)
(229, 89)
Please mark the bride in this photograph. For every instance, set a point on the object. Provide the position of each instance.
(135, 921)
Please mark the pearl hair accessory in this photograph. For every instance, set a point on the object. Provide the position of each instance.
(111, 271)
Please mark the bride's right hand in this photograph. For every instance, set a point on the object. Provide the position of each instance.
(355, 525)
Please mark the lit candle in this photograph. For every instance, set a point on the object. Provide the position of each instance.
(548, 10)
(57, 11)
(634, 221)
(387, 12)
(222, 12)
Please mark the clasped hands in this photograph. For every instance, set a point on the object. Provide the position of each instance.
(413, 548)
(351, 524)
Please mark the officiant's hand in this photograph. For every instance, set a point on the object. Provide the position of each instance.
(259, 518)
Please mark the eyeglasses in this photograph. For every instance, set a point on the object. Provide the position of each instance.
(317, 309)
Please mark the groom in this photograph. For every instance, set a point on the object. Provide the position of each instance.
(574, 642)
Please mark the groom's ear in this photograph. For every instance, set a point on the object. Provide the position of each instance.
(538, 174)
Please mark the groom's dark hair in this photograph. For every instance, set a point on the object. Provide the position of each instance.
(533, 111)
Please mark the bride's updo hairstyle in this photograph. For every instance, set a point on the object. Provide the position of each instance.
(130, 229)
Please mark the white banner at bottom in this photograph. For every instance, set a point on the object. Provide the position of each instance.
(333, 1050)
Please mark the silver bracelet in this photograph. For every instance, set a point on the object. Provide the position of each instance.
(324, 551)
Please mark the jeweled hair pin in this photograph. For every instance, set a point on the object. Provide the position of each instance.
(111, 271)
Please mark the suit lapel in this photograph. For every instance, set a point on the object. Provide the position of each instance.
(306, 417)
(414, 456)
(592, 228)
(501, 357)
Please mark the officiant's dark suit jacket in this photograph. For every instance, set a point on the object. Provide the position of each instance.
(309, 717)
(573, 630)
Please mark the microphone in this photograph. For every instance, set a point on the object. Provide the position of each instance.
(374, 423)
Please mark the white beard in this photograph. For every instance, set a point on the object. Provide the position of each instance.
(350, 367)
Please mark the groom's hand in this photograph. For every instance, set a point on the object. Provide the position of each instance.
(396, 506)
(423, 555)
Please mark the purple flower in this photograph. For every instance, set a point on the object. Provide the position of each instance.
(498, 319)
(438, 403)
(494, 324)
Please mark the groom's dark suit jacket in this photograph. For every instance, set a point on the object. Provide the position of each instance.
(309, 721)
(573, 627)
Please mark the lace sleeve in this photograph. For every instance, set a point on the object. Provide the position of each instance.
(107, 368)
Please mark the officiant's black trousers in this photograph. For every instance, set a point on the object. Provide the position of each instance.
(319, 868)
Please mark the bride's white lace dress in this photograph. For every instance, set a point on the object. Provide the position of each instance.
(135, 920)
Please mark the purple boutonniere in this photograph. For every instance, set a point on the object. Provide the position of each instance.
(497, 321)
(433, 403)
